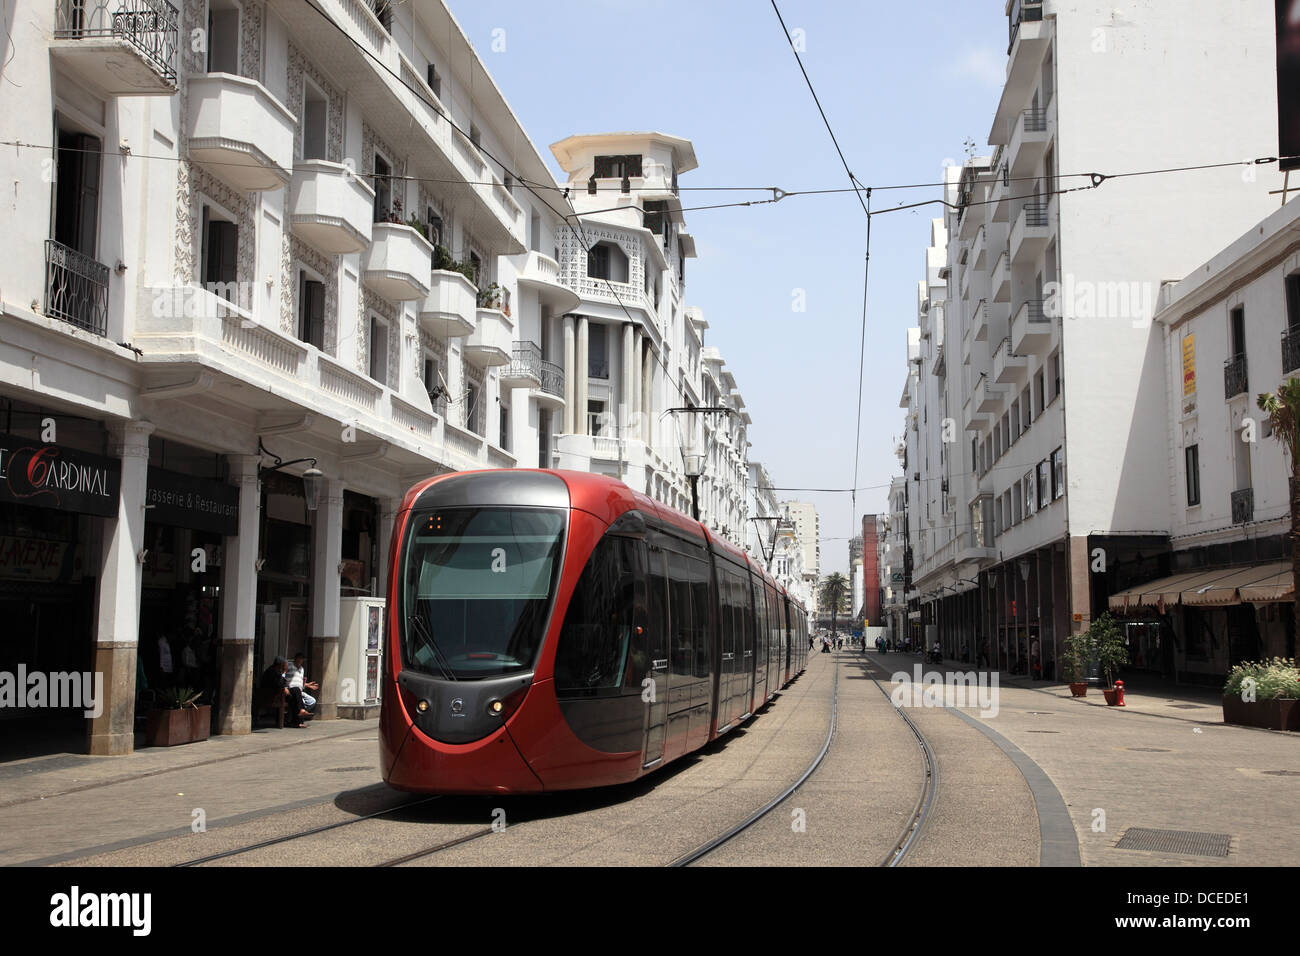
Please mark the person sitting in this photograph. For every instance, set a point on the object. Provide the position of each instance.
(274, 678)
(297, 675)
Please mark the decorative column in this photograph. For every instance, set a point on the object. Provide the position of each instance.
(649, 370)
(117, 629)
(636, 420)
(239, 601)
(327, 552)
(570, 375)
(580, 393)
(627, 381)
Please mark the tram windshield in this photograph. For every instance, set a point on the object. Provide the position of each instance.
(476, 589)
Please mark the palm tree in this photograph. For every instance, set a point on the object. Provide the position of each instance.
(1283, 410)
(834, 591)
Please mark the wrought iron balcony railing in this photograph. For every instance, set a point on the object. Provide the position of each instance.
(1234, 376)
(527, 360)
(151, 26)
(1034, 121)
(76, 288)
(1022, 11)
(1291, 349)
(1243, 506)
(1035, 214)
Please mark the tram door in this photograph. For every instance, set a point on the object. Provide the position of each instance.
(657, 625)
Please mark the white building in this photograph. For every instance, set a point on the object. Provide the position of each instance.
(1047, 352)
(803, 515)
(288, 271)
(893, 546)
(1224, 593)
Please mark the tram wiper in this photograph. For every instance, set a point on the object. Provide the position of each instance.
(420, 628)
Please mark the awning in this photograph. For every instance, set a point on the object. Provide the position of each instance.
(1219, 586)
(1226, 590)
(1279, 587)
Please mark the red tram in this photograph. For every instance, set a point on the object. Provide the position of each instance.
(552, 630)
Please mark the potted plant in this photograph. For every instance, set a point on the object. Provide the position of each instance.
(1263, 694)
(180, 719)
(418, 226)
(494, 297)
(1111, 651)
(442, 260)
(1075, 660)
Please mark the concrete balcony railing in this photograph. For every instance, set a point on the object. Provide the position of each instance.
(1031, 329)
(76, 288)
(398, 263)
(1001, 192)
(1031, 232)
(979, 322)
(541, 273)
(492, 342)
(239, 132)
(987, 398)
(1002, 277)
(449, 310)
(1029, 139)
(330, 208)
(118, 47)
(1008, 367)
(979, 248)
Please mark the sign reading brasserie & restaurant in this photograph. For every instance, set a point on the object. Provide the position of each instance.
(53, 476)
(196, 503)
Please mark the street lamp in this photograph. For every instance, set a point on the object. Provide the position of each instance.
(313, 479)
(693, 455)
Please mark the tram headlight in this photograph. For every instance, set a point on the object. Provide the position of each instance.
(422, 706)
(496, 708)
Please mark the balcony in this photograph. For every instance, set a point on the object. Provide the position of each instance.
(1030, 35)
(329, 208)
(118, 47)
(979, 322)
(398, 263)
(1008, 367)
(1031, 329)
(1028, 143)
(76, 288)
(1001, 196)
(239, 132)
(543, 379)
(1234, 377)
(964, 286)
(1291, 349)
(979, 249)
(987, 398)
(492, 342)
(1031, 233)
(541, 273)
(449, 310)
(1002, 277)
(1243, 506)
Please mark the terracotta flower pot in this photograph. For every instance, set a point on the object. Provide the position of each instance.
(1110, 696)
(167, 728)
(1079, 688)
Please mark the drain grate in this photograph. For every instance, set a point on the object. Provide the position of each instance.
(1190, 706)
(1149, 750)
(346, 769)
(1042, 731)
(1039, 713)
(1281, 773)
(1175, 841)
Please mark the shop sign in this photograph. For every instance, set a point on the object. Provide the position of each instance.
(33, 559)
(199, 504)
(52, 476)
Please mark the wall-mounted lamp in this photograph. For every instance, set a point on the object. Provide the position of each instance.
(313, 479)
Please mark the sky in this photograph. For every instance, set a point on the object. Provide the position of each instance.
(904, 86)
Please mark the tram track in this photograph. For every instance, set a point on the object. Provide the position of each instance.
(929, 789)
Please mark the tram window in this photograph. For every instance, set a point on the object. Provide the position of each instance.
(700, 587)
(681, 643)
(596, 640)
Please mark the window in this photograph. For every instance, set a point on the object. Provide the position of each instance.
(315, 122)
(378, 349)
(1017, 504)
(76, 197)
(997, 443)
(1028, 483)
(1039, 394)
(595, 418)
(605, 616)
(223, 37)
(431, 377)
(383, 188)
(434, 222)
(220, 246)
(1015, 420)
(1192, 455)
(1058, 473)
(434, 80)
(1056, 375)
(503, 425)
(616, 167)
(543, 438)
(607, 261)
(311, 310)
(597, 350)
(1293, 300)
(1044, 484)
(1006, 432)
(1237, 320)
(1026, 410)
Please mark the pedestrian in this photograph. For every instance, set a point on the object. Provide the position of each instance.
(275, 679)
(983, 655)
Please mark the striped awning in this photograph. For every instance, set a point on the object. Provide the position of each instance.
(1210, 588)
